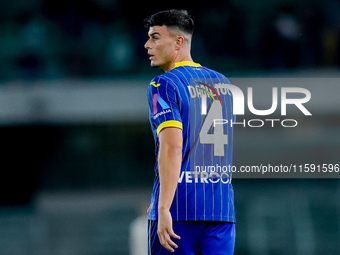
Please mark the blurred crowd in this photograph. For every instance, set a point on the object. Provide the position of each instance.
(47, 39)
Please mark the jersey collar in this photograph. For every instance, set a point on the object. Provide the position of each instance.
(186, 63)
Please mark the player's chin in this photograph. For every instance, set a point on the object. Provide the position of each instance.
(154, 64)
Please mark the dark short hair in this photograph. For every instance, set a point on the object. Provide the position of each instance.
(179, 19)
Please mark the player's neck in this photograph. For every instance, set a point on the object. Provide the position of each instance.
(178, 58)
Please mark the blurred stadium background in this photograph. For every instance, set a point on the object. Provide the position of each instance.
(77, 151)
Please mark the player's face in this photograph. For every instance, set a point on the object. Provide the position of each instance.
(161, 47)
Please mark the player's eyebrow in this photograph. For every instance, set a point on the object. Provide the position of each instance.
(154, 33)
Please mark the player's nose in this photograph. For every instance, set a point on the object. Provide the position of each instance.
(147, 44)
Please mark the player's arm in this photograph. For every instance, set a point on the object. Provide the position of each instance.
(169, 167)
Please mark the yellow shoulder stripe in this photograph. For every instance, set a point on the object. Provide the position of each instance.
(169, 123)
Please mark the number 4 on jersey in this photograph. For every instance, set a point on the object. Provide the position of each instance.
(217, 138)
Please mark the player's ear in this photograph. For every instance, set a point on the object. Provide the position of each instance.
(179, 41)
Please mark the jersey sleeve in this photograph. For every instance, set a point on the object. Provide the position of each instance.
(163, 105)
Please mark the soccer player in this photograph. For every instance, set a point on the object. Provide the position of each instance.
(192, 204)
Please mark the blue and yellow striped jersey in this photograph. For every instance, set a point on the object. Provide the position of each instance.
(196, 100)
